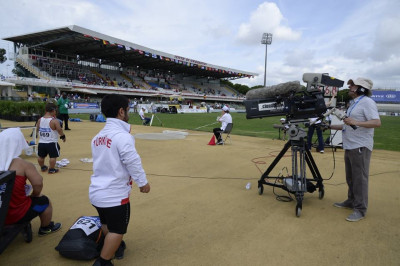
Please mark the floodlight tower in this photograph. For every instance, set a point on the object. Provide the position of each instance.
(266, 39)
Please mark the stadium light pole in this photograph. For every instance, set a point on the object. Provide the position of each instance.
(266, 39)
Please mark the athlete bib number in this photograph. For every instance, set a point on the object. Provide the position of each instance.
(88, 224)
(44, 134)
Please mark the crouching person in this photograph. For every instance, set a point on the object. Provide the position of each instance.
(23, 208)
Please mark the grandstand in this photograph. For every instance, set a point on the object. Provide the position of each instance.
(78, 60)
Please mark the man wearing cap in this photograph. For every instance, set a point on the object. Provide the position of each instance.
(358, 144)
(145, 119)
(225, 119)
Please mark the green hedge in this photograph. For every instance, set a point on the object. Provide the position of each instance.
(17, 109)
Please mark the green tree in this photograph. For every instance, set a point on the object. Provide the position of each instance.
(18, 72)
(3, 57)
(343, 96)
(243, 89)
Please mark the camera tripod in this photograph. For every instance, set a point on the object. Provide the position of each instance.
(152, 118)
(296, 184)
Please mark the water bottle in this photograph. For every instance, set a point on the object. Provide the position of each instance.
(248, 186)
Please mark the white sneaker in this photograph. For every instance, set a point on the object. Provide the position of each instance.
(321, 151)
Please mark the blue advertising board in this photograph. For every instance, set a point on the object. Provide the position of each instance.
(85, 105)
(386, 96)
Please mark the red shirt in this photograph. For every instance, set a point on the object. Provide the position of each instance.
(19, 202)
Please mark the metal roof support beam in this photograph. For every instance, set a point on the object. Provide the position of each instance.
(51, 41)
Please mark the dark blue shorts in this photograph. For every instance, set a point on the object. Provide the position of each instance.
(38, 206)
(51, 149)
(116, 218)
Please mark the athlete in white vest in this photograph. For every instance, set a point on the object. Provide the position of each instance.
(116, 164)
(48, 129)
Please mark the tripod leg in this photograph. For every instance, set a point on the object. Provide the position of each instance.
(159, 120)
(315, 173)
(276, 160)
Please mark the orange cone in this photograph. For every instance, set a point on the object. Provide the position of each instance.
(212, 140)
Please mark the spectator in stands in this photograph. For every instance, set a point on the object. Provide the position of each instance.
(116, 162)
(30, 99)
(225, 119)
(49, 129)
(63, 106)
(145, 119)
(26, 202)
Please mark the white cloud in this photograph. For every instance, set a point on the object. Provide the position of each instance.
(387, 39)
(266, 18)
(346, 39)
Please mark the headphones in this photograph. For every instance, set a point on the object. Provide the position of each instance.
(360, 91)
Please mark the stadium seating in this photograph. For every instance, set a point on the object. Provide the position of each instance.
(70, 70)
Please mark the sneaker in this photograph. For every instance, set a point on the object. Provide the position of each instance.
(344, 204)
(322, 151)
(67, 129)
(44, 168)
(51, 228)
(355, 217)
(119, 254)
(98, 263)
(220, 143)
(53, 171)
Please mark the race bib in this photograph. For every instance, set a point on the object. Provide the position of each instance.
(88, 224)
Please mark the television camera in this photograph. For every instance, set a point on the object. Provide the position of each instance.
(298, 104)
(290, 98)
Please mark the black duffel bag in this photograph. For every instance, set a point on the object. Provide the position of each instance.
(84, 239)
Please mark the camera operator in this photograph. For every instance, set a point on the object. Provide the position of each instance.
(358, 144)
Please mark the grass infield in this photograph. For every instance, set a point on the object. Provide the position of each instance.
(387, 137)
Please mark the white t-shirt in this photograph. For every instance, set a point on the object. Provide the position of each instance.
(363, 108)
(141, 114)
(115, 163)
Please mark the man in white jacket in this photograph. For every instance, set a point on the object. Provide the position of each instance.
(115, 164)
(225, 119)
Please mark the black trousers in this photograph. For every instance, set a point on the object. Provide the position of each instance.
(217, 132)
(64, 118)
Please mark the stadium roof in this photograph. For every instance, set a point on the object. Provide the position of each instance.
(92, 46)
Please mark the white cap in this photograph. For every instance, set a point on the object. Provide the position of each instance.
(282, 119)
(365, 83)
(225, 108)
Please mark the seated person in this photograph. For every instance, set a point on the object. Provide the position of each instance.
(225, 119)
(145, 120)
(23, 208)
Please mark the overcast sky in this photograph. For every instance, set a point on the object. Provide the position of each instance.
(345, 38)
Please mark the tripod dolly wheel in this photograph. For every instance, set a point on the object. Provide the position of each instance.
(260, 189)
(321, 193)
(298, 209)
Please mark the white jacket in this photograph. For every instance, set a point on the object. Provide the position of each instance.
(115, 163)
(225, 120)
